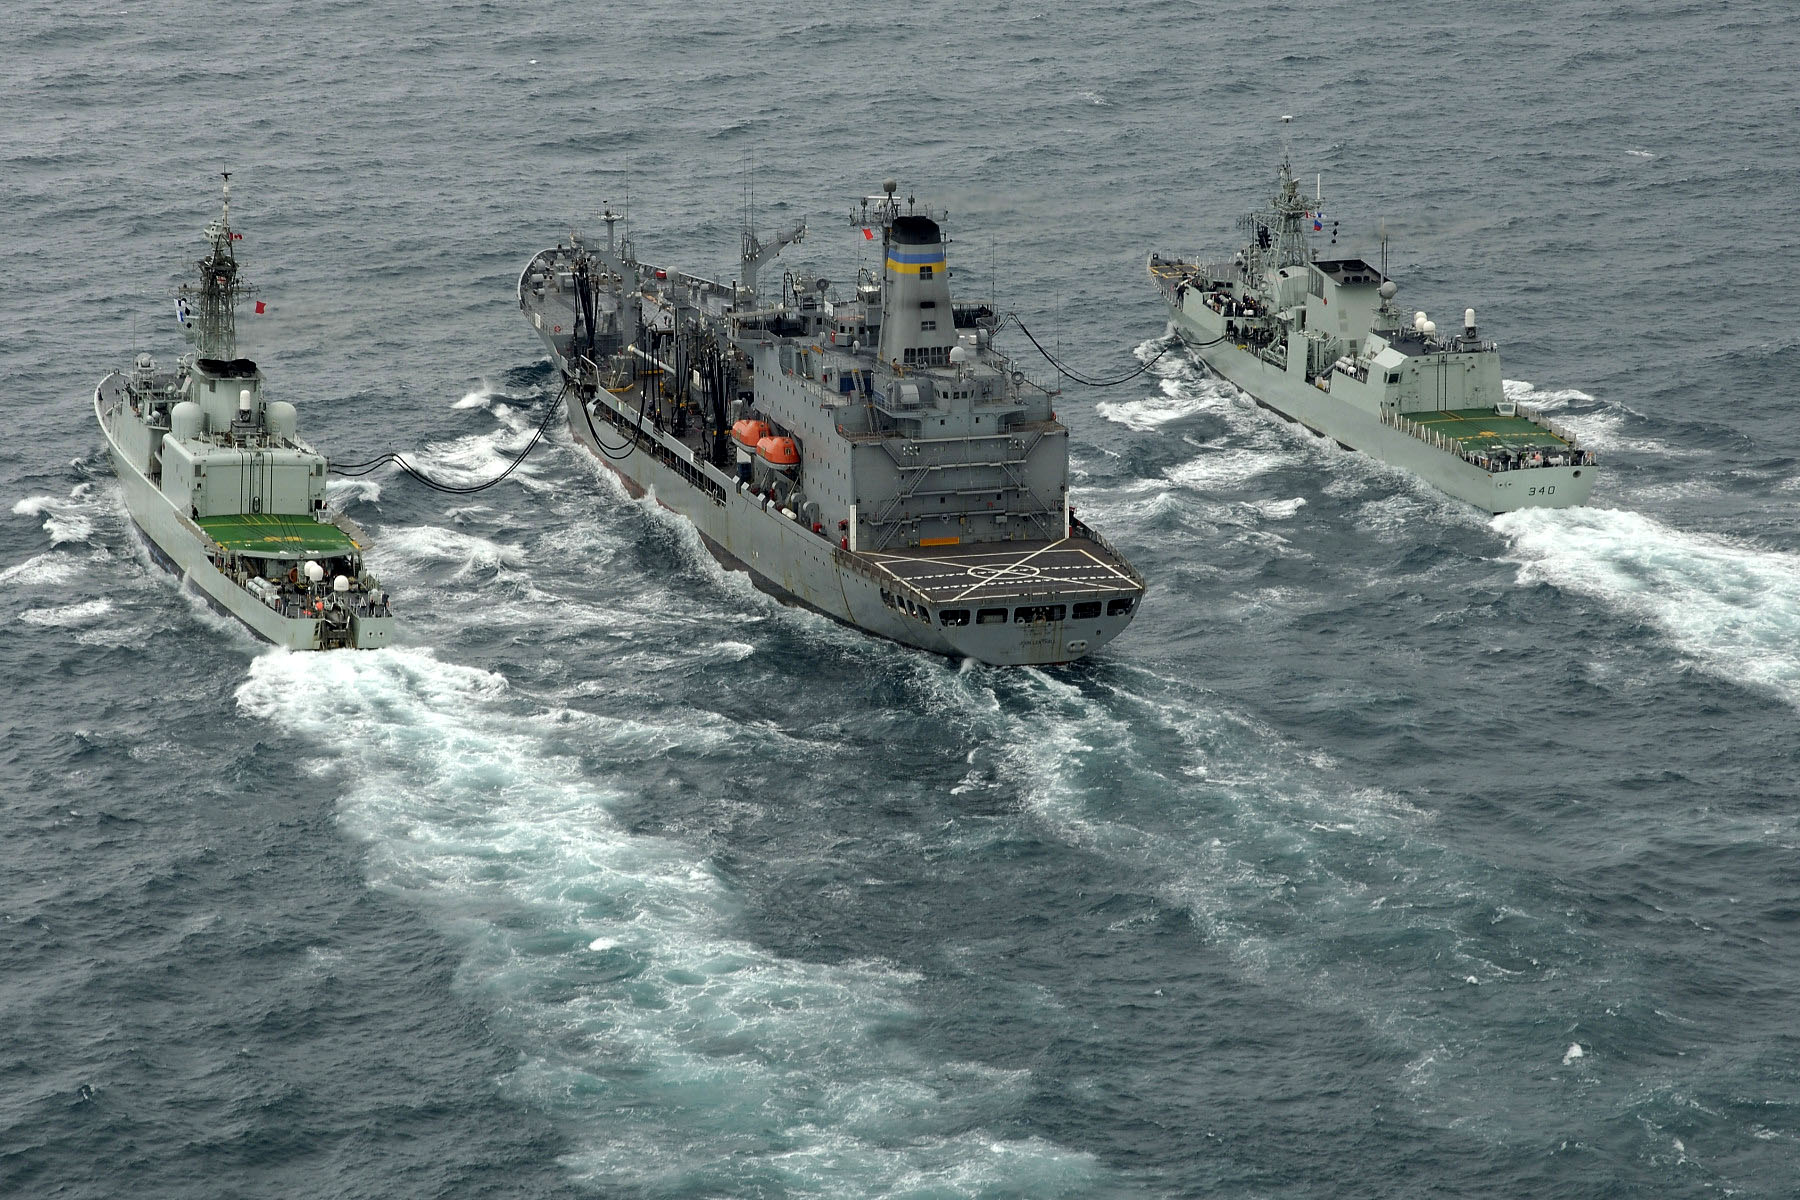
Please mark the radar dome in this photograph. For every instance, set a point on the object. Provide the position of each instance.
(1388, 289)
(314, 571)
(959, 354)
(1429, 329)
(1418, 322)
(341, 584)
(185, 420)
(283, 421)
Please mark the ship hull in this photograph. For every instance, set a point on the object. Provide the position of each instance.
(790, 562)
(1291, 396)
(183, 554)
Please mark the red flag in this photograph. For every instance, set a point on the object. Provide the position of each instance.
(259, 307)
(237, 237)
(868, 234)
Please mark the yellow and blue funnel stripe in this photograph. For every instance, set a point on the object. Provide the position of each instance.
(908, 262)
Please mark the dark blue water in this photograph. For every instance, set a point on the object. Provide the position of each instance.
(1394, 852)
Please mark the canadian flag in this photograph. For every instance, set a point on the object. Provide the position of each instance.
(868, 234)
(260, 306)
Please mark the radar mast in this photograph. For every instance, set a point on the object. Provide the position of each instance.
(211, 308)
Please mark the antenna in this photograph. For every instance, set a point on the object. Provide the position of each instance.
(993, 279)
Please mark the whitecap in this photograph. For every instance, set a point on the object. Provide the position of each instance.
(1219, 469)
(1733, 607)
(39, 570)
(345, 492)
(433, 543)
(84, 613)
(1280, 510)
(62, 520)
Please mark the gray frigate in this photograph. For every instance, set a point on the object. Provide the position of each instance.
(227, 496)
(1320, 341)
(872, 456)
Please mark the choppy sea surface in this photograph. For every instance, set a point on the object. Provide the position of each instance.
(1395, 851)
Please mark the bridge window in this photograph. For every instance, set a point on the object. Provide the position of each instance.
(1087, 609)
(953, 616)
(924, 272)
(1119, 607)
(928, 304)
(991, 616)
(927, 325)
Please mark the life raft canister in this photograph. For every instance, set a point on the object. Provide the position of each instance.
(748, 432)
(778, 451)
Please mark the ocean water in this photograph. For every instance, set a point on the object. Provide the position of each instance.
(1395, 851)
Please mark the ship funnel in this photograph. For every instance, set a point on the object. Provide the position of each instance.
(917, 325)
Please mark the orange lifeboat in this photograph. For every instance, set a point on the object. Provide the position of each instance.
(778, 451)
(749, 433)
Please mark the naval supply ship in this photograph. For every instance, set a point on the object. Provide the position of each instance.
(871, 456)
(222, 488)
(1320, 341)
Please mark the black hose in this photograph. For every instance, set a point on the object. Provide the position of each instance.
(1101, 383)
(355, 470)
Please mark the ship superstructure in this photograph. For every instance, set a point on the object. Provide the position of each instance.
(217, 479)
(870, 455)
(1320, 341)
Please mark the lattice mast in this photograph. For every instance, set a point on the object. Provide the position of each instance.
(210, 310)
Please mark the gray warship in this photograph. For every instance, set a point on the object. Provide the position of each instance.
(1319, 341)
(225, 493)
(871, 456)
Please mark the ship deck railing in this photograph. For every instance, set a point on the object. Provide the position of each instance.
(1495, 439)
(1081, 529)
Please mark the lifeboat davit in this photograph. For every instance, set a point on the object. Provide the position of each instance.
(778, 451)
(750, 433)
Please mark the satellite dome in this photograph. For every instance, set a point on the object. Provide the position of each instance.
(1388, 289)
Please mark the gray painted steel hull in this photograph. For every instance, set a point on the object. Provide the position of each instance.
(178, 546)
(797, 566)
(1292, 396)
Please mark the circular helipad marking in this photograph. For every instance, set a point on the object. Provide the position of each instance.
(1008, 573)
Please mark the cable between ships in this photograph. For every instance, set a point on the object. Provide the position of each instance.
(1078, 377)
(353, 470)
